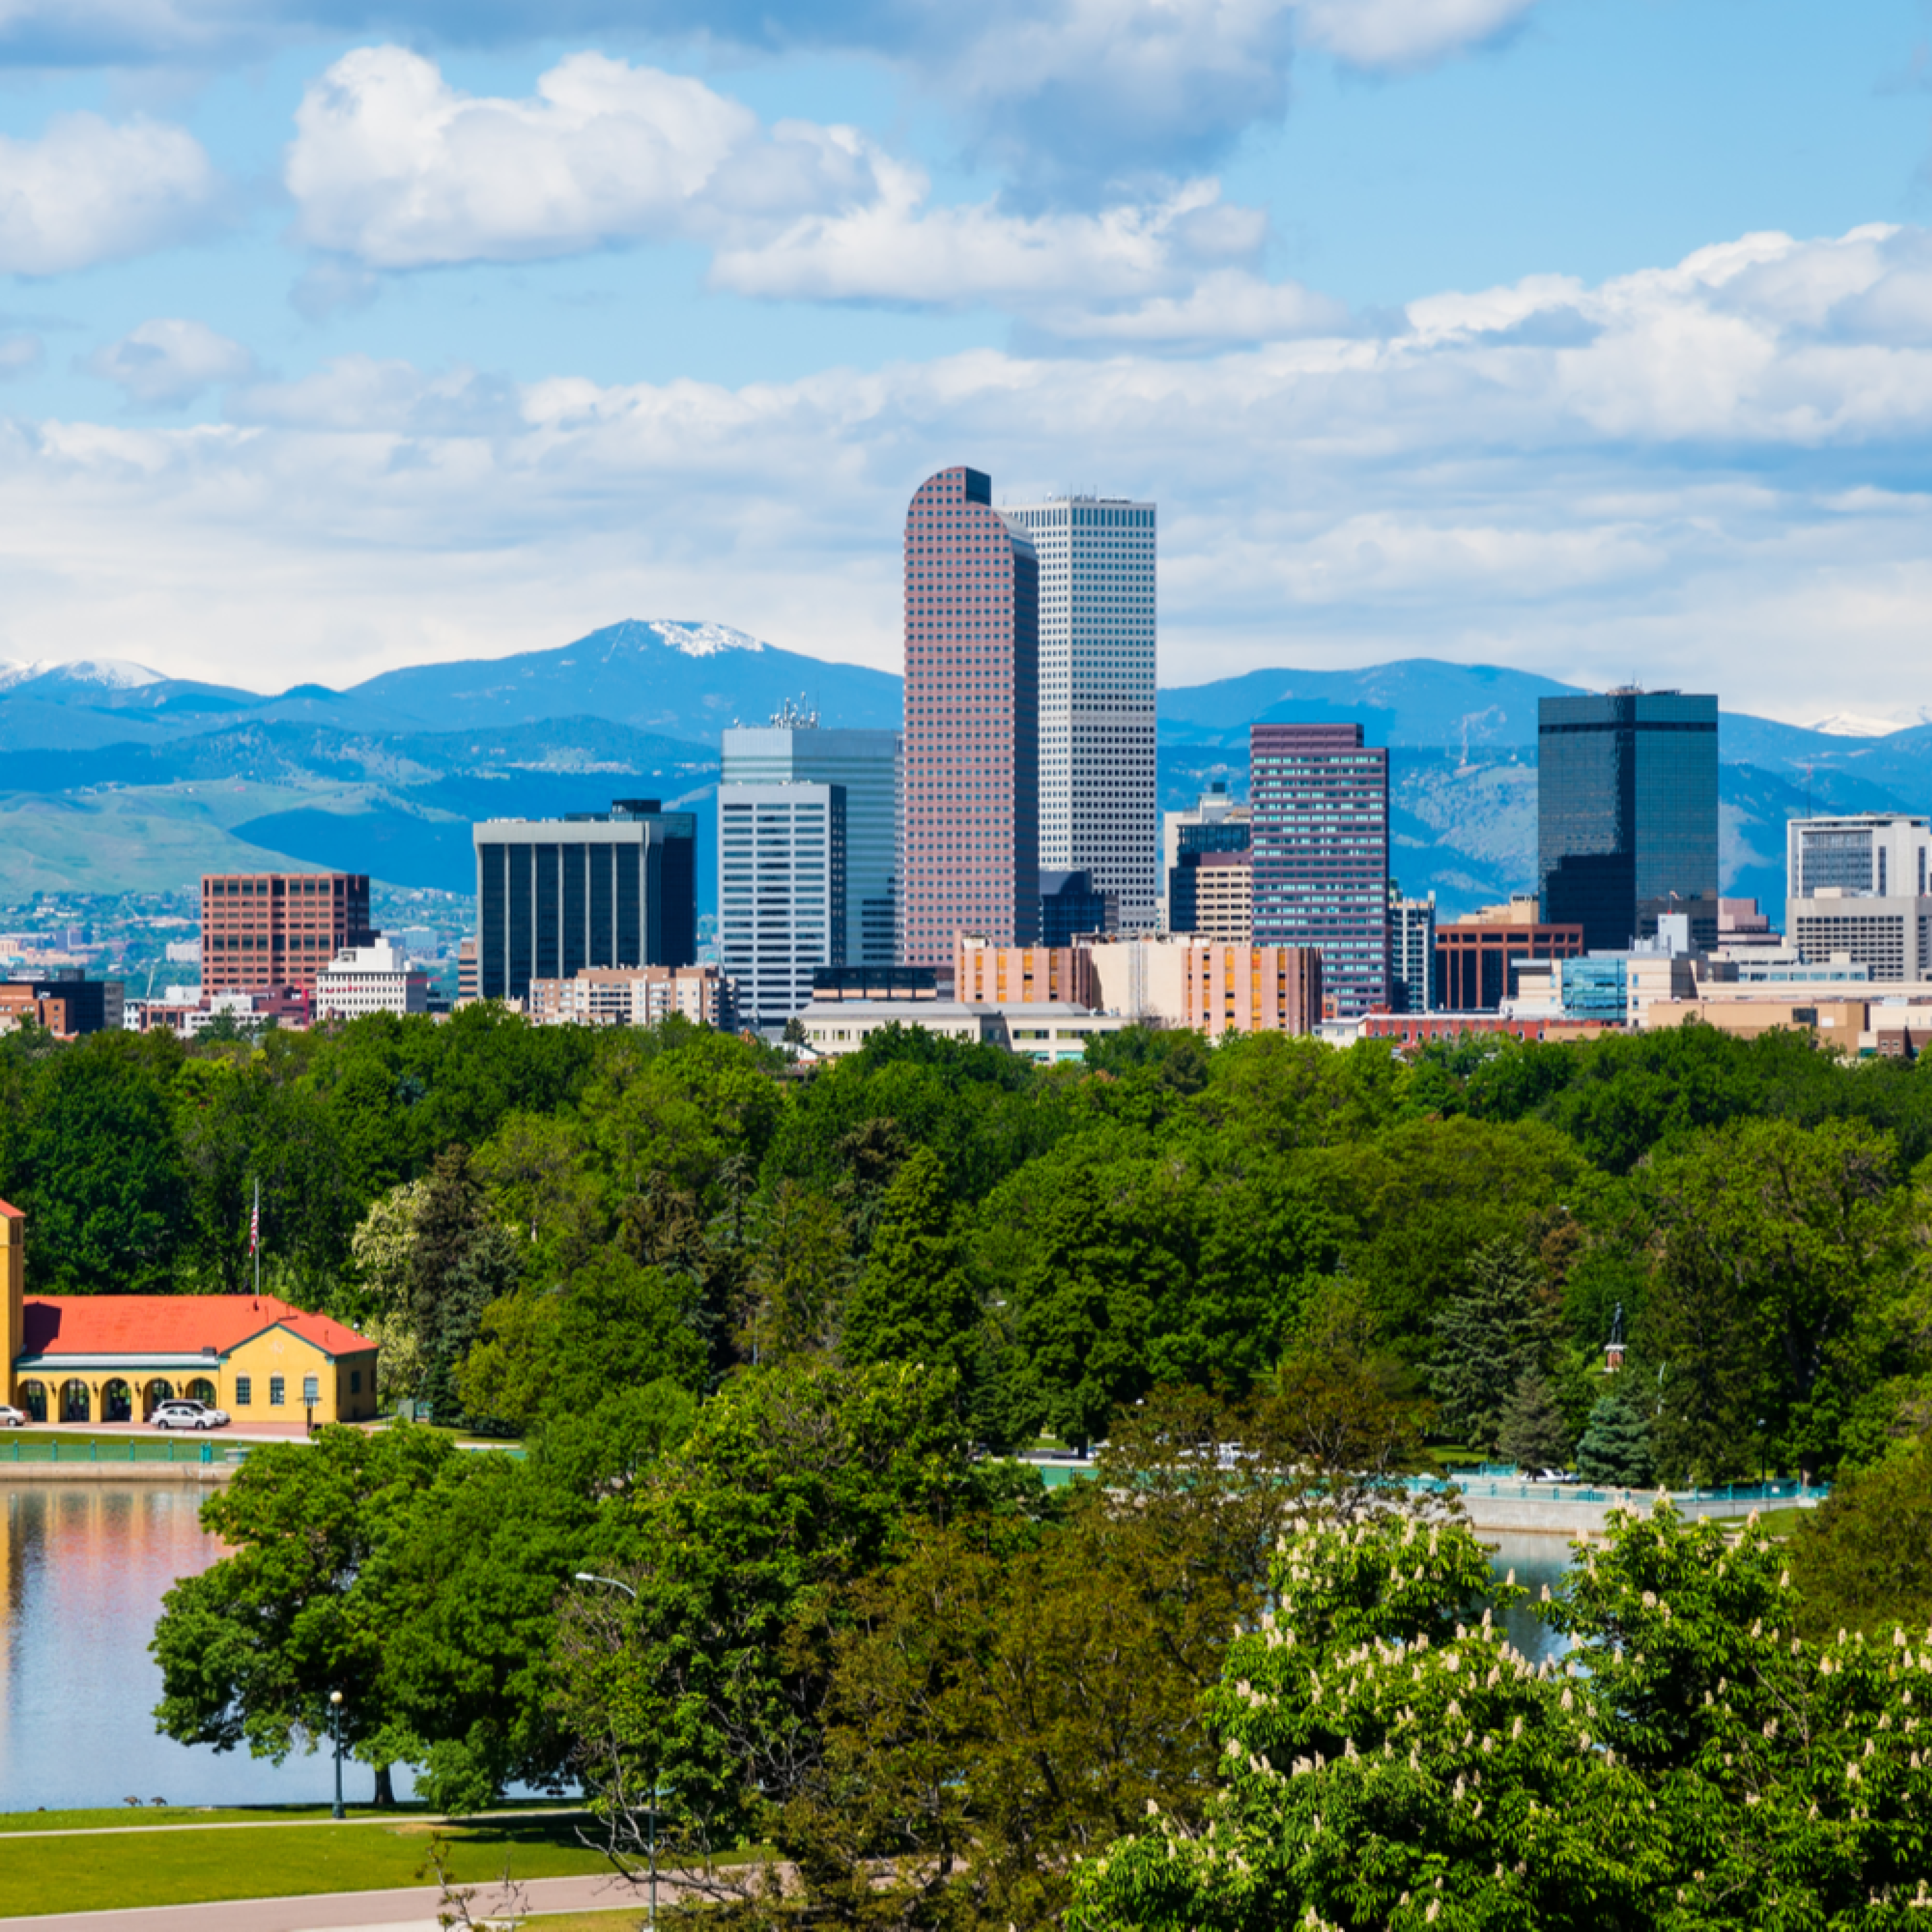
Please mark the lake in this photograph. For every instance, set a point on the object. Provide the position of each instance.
(83, 1567)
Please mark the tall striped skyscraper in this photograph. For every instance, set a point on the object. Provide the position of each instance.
(1098, 803)
(969, 816)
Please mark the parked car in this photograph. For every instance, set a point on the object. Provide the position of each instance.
(182, 1413)
(13, 1418)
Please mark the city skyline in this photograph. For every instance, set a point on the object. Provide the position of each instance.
(1483, 330)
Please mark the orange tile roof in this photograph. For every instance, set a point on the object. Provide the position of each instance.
(170, 1324)
(12, 1213)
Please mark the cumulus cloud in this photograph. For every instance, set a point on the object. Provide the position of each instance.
(91, 190)
(169, 361)
(393, 169)
(1070, 97)
(393, 166)
(1707, 473)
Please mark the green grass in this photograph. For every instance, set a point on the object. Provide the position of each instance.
(1774, 1522)
(186, 1866)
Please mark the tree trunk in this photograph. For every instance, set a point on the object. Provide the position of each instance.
(385, 1789)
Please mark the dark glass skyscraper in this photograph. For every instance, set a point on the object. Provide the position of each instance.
(1320, 835)
(616, 888)
(1627, 813)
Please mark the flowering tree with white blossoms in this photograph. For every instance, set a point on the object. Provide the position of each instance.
(1391, 1761)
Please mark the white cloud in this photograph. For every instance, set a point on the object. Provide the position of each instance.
(895, 249)
(1077, 96)
(1391, 35)
(1221, 306)
(395, 169)
(89, 190)
(168, 361)
(1710, 478)
(393, 166)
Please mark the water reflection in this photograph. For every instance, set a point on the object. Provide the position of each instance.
(82, 1569)
(1537, 1561)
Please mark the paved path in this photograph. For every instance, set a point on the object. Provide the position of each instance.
(413, 1909)
(391, 1818)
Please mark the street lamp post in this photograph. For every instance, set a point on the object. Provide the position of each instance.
(335, 1726)
(611, 1582)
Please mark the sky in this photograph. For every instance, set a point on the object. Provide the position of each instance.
(1592, 337)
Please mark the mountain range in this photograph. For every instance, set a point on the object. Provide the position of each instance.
(118, 778)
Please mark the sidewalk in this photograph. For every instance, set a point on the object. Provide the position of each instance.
(413, 1909)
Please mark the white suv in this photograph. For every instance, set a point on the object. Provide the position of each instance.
(182, 1413)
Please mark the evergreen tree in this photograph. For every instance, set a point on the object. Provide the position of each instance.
(1534, 1433)
(1489, 1335)
(461, 1260)
(913, 1303)
(1615, 1448)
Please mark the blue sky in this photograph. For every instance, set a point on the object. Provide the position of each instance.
(1592, 338)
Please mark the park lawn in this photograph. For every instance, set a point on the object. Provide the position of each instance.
(1774, 1522)
(87, 1873)
(626, 1921)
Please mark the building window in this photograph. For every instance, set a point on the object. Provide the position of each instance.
(277, 1392)
(311, 1390)
(355, 1381)
(244, 1391)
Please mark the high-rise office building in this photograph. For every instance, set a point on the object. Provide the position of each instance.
(1216, 824)
(1411, 952)
(263, 929)
(1098, 632)
(1320, 834)
(970, 814)
(616, 888)
(1626, 814)
(1857, 885)
(782, 892)
(795, 749)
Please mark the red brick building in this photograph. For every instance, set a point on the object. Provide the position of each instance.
(261, 929)
(1472, 959)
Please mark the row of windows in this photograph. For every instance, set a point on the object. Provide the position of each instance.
(311, 1394)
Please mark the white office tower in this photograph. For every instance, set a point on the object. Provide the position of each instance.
(795, 749)
(781, 893)
(1097, 634)
(1412, 952)
(1856, 887)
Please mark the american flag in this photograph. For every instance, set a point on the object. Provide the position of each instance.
(255, 1226)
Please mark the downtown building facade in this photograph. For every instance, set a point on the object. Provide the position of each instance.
(970, 793)
(1319, 833)
(275, 929)
(782, 892)
(1411, 952)
(1856, 888)
(1215, 824)
(795, 749)
(1626, 814)
(1098, 645)
(616, 888)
